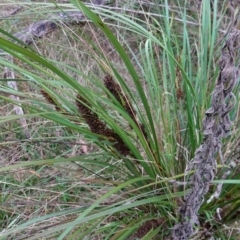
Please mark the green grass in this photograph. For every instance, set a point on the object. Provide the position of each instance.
(164, 59)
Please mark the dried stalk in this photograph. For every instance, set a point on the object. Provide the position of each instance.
(216, 125)
(9, 74)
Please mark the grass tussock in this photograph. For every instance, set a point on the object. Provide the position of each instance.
(113, 106)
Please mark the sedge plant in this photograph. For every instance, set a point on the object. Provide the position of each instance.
(141, 118)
